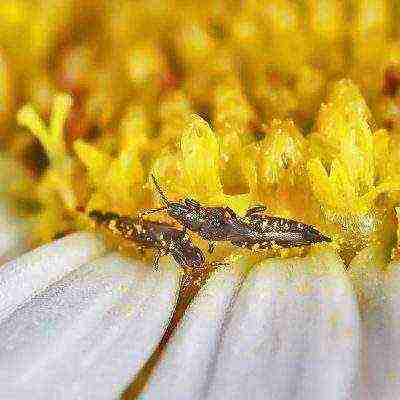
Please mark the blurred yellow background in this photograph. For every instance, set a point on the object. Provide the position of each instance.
(96, 94)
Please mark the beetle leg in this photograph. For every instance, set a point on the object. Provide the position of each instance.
(157, 260)
(182, 235)
(230, 212)
(211, 247)
(160, 252)
(216, 264)
(192, 203)
(256, 209)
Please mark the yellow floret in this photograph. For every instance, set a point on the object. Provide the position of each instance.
(347, 146)
(116, 183)
(282, 153)
(200, 159)
(56, 191)
(95, 160)
(50, 137)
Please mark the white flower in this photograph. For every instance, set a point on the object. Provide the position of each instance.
(77, 323)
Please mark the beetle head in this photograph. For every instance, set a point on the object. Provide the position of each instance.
(312, 235)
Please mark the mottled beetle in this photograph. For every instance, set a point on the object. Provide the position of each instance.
(164, 238)
(255, 230)
(279, 231)
(210, 223)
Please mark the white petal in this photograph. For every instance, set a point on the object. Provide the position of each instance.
(33, 271)
(87, 335)
(182, 373)
(291, 332)
(380, 332)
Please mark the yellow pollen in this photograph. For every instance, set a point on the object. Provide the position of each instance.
(255, 246)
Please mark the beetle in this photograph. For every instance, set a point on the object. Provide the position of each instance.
(164, 238)
(254, 230)
(270, 231)
(210, 223)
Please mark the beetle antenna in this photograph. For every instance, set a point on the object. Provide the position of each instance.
(159, 190)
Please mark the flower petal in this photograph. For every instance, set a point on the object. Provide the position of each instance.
(293, 333)
(380, 332)
(33, 271)
(290, 331)
(88, 334)
(182, 373)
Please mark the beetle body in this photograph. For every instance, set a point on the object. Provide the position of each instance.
(267, 231)
(255, 230)
(210, 223)
(164, 238)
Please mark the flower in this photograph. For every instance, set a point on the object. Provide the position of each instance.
(76, 318)
(221, 103)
